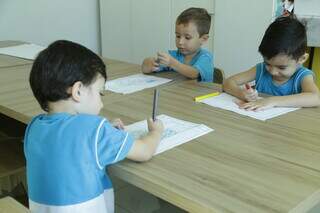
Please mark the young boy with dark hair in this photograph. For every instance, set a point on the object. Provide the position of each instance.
(190, 60)
(68, 148)
(282, 74)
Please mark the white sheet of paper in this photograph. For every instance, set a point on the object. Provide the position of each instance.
(134, 83)
(176, 132)
(226, 101)
(27, 51)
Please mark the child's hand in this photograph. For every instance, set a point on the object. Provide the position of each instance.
(155, 126)
(155, 65)
(258, 105)
(249, 93)
(164, 59)
(117, 123)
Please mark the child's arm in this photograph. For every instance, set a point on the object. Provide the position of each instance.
(309, 97)
(186, 70)
(144, 148)
(149, 65)
(232, 85)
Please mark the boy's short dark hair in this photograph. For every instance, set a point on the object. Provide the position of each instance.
(286, 35)
(199, 16)
(59, 66)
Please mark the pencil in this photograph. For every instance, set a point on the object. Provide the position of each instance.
(155, 104)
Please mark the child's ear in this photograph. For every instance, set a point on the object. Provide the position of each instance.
(204, 38)
(76, 91)
(303, 58)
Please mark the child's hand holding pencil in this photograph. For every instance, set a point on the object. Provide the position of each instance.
(249, 93)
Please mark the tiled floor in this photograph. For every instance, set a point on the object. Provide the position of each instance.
(130, 199)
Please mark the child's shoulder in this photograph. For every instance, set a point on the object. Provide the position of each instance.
(302, 72)
(204, 53)
(304, 69)
(89, 120)
(80, 120)
(88, 117)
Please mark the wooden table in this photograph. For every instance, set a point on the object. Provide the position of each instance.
(245, 165)
(17, 101)
(9, 61)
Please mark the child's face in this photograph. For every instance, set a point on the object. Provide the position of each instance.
(282, 66)
(188, 40)
(91, 102)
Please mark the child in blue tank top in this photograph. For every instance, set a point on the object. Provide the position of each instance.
(281, 75)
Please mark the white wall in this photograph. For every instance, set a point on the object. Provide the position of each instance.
(238, 29)
(238, 26)
(44, 21)
(309, 12)
(307, 7)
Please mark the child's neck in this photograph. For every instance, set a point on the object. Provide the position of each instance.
(63, 106)
(279, 82)
(189, 57)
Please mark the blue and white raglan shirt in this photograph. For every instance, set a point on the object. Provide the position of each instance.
(66, 160)
(264, 82)
(202, 61)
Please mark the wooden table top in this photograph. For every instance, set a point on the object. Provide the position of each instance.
(10, 61)
(245, 165)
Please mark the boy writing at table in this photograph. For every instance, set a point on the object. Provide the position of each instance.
(281, 75)
(68, 148)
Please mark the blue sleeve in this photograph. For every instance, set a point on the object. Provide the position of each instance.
(111, 144)
(204, 65)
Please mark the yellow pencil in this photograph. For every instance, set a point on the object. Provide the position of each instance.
(199, 98)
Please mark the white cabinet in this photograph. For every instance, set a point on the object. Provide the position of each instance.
(134, 29)
(149, 28)
(116, 29)
(239, 28)
(307, 8)
(309, 12)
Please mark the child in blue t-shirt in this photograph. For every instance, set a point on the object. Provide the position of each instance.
(68, 148)
(282, 74)
(190, 60)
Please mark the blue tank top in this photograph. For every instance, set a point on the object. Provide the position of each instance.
(265, 84)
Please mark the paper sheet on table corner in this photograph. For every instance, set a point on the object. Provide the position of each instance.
(26, 51)
(227, 102)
